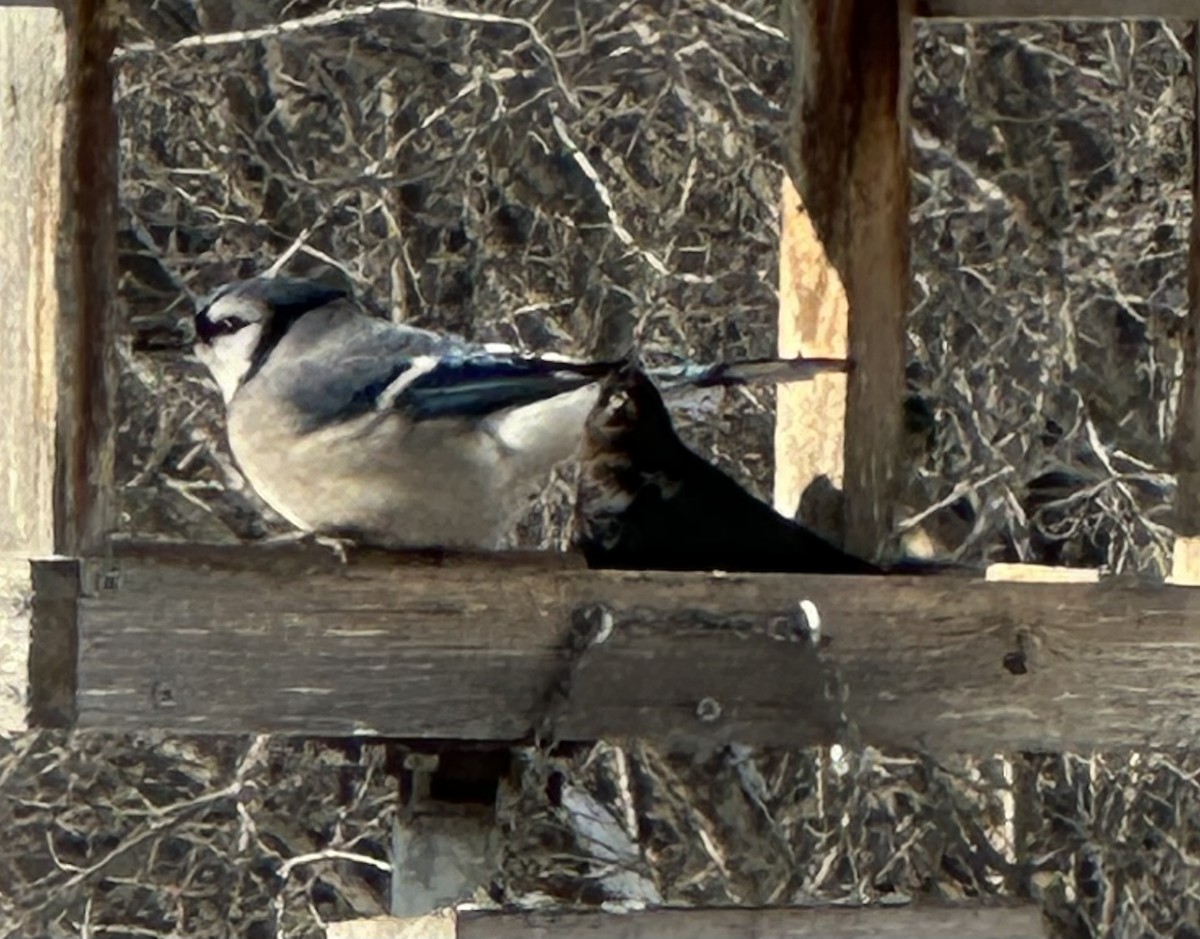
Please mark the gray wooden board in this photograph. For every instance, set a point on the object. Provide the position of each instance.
(964, 922)
(1059, 9)
(218, 640)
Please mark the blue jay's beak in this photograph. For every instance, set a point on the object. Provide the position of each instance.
(161, 334)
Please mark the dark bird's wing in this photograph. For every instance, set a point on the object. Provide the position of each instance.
(646, 501)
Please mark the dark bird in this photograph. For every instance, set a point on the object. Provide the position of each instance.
(646, 501)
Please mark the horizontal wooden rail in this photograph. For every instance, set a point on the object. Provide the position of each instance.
(213, 640)
(917, 922)
(1058, 9)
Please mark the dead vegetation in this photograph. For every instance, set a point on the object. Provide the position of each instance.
(583, 177)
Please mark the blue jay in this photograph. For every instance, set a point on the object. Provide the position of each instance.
(355, 427)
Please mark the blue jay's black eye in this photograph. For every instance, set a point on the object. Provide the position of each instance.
(208, 329)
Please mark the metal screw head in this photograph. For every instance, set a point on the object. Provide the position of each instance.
(810, 621)
(163, 695)
(708, 710)
(590, 626)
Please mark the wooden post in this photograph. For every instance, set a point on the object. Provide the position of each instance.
(57, 269)
(1186, 445)
(810, 417)
(32, 69)
(1014, 921)
(848, 156)
(1058, 10)
(84, 481)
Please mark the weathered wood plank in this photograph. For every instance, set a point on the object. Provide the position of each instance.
(813, 320)
(848, 154)
(32, 69)
(53, 643)
(1058, 9)
(442, 924)
(1186, 443)
(33, 45)
(84, 512)
(57, 271)
(234, 640)
(964, 922)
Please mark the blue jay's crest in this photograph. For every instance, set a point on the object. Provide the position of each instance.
(275, 303)
(277, 300)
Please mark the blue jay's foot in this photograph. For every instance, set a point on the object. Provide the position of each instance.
(337, 545)
(647, 502)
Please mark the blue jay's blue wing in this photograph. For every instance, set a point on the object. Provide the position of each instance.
(365, 365)
(475, 386)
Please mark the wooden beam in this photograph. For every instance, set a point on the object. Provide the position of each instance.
(810, 416)
(32, 69)
(920, 922)
(84, 480)
(1185, 447)
(442, 924)
(848, 147)
(58, 151)
(236, 640)
(33, 44)
(963, 922)
(1058, 9)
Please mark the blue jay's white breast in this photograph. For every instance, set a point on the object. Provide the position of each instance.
(391, 482)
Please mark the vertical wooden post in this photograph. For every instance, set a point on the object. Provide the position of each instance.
(84, 478)
(810, 416)
(32, 68)
(1186, 445)
(57, 272)
(848, 149)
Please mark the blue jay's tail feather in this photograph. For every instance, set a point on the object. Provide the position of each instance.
(749, 370)
(481, 384)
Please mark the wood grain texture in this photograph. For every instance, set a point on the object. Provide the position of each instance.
(53, 643)
(813, 310)
(86, 367)
(32, 70)
(1059, 9)
(848, 154)
(224, 640)
(895, 923)
(442, 924)
(1185, 447)
(33, 45)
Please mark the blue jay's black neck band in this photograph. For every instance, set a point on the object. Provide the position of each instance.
(285, 300)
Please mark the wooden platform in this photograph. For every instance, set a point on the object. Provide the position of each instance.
(292, 640)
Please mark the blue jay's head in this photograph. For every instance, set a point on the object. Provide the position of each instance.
(238, 325)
